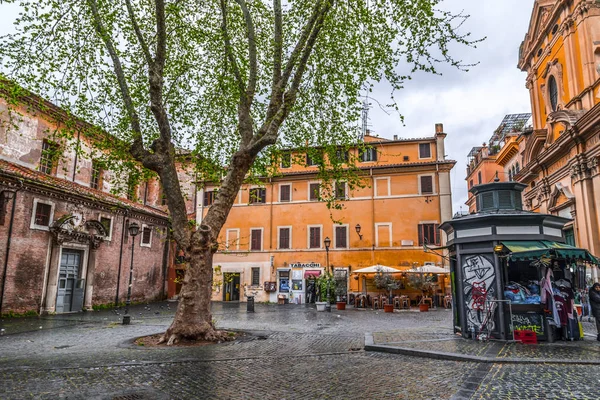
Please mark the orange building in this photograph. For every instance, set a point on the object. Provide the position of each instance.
(274, 237)
(561, 56)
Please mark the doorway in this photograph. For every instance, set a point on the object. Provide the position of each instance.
(231, 286)
(71, 288)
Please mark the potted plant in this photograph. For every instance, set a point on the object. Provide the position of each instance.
(385, 280)
(326, 291)
(340, 292)
(424, 284)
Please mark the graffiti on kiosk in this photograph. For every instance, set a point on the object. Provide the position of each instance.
(532, 322)
(479, 286)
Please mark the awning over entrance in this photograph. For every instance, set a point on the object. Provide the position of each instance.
(530, 249)
(311, 274)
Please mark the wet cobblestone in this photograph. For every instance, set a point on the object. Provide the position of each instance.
(306, 355)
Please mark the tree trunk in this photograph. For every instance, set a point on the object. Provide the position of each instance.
(193, 319)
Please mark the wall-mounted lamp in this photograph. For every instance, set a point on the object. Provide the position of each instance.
(5, 197)
(357, 227)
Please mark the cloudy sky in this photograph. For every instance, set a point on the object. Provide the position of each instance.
(469, 104)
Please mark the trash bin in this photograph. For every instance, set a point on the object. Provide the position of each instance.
(250, 304)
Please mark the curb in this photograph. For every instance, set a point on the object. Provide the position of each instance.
(438, 355)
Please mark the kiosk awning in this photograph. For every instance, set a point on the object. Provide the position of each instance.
(311, 274)
(529, 249)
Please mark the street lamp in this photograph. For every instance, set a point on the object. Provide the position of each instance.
(327, 242)
(357, 227)
(134, 229)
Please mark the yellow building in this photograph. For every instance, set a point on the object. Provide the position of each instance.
(559, 157)
(274, 237)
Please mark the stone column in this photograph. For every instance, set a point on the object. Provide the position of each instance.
(89, 282)
(52, 286)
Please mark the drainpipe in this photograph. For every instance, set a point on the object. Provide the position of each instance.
(10, 227)
(120, 257)
(372, 216)
(76, 156)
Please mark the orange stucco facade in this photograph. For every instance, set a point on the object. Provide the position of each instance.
(406, 189)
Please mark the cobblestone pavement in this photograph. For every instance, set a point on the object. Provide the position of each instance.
(293, 352)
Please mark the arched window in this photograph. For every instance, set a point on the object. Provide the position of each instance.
(517, 167)
(553, 93)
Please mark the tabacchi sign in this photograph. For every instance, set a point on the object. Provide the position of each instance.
(305, 265)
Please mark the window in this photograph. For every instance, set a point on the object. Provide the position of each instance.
(341, 237)
(232, 239)
(285, 238)
(517, 168)
(510, 176)
(209, 197)
(286, 159)
(256, 239)
(424, 150)
(429, 234)
(43, 214)
(471, 183)
(258, 195)
(314, 237)
(146, 236)
(553, 93)
(479, 178)
(49, 157)
(368, 154)
(312, 160)
(340, 190)
(426, 184)
(96, 180)
(285, 193)
(255, 276)
(107, 223)
(314, 190)
(342, 155)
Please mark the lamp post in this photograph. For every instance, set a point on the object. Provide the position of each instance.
(327, 242)
(134, 229)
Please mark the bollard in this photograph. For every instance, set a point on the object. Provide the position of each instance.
(250, 304)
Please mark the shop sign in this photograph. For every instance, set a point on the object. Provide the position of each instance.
(305, 265)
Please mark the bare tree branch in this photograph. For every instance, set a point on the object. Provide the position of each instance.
(277, 43)
(270, 128)
(250, 33)
(156, 80)
(138, 32)
(229, 49)
(137, 147)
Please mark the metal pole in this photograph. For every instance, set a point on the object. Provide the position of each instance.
(328, 305)
(127, 317)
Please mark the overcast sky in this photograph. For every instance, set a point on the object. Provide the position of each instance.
(471, 104)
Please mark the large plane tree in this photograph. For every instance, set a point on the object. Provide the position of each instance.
(232, 81)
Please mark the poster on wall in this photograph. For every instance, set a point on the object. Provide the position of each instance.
(479, 287)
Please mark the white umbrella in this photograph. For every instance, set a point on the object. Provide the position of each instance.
(428, 269)
(376, 268)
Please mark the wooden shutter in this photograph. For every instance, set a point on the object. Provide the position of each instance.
(315, 238)
(284, 194)
(256, 240)
(284, 238)
(426, 184)
(340, 237)
(420, 230)
(206, 198)
(424, 150)
(436, 232)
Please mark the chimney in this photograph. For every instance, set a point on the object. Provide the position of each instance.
(439, 139)
(395, 137)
